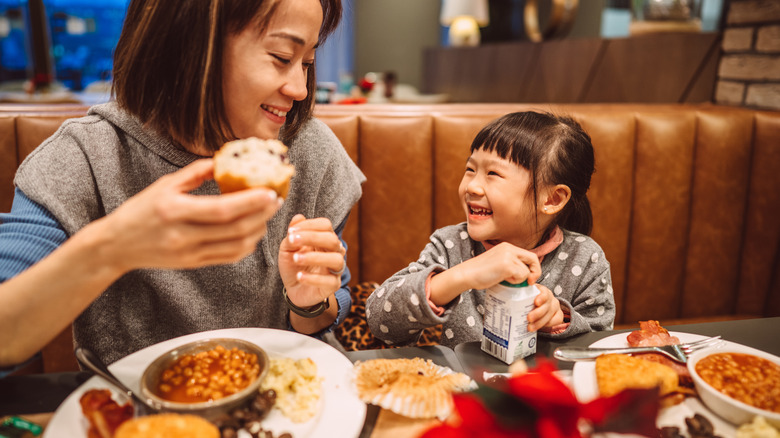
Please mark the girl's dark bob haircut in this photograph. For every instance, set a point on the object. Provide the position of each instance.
(168, 65)
(555, 150)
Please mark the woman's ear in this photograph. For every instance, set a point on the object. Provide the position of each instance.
(555, 199)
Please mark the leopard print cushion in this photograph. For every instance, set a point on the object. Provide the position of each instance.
(354, 333)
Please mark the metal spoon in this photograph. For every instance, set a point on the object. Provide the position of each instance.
(89, 359)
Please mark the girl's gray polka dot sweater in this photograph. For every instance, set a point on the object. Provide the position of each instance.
(577, 272)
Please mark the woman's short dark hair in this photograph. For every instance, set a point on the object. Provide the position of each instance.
(555, 149)
(168, 65)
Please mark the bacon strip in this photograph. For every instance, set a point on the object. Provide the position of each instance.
(651, 334)
(103, 413)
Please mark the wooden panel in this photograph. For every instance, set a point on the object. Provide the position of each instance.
(661, 211)
(648, 68)
(395, 211)
(561, 71)
(761, 251)
(652, 68)
(720, 180)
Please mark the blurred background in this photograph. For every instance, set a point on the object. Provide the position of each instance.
(406, 51)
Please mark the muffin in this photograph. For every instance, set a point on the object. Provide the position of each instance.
(167, 425)
(252, 162)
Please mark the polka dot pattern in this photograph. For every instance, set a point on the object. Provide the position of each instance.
(481, 309)
(470, 321)
(464, 235)
(441, 260)
(563, 256)
(600, 310)
(449, 334)
(412, 318)
(448, 244)
(576, 271)
(590, 301)
(401, 283)
(414, 269)
(557, 290)
(413, 331)
(368, 312)
(383, 328)
(609, 289)
(388, 306)
(580, 239)
(414, 300)
(595, 257)
(380, 292)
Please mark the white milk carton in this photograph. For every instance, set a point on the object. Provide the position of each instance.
(505, 333)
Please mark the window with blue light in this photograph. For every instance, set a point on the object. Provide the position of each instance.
(83, 35)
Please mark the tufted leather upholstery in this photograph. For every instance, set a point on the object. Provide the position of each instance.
(685, 197)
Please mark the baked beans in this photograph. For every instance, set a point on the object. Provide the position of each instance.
(208, 375)
(750, 379)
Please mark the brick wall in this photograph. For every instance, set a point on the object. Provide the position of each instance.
(749, 71)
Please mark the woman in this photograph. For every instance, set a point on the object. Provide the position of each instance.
(117, 225)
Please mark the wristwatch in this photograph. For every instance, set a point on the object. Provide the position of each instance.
(307, 312)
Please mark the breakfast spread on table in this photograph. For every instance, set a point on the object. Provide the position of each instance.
(418, 388)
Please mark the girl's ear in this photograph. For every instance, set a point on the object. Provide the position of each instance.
(555, 199)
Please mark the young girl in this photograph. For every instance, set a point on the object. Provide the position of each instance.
(528, 218)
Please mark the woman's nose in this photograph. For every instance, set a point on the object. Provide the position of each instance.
(295, 86)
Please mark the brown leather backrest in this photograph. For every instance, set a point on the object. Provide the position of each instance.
(684, 197)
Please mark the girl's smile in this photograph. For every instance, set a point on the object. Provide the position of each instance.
(495, 194)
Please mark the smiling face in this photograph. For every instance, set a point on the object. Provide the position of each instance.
(266, 71)
(495, 194)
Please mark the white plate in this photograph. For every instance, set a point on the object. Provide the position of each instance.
(341, 411)
(586, 389)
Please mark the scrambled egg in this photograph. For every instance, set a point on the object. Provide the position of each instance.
(298, 388)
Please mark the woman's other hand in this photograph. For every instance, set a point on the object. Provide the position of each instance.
(164, 226)
(547, 312)
(311, 260)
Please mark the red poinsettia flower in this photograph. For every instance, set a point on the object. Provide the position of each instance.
(539, 404)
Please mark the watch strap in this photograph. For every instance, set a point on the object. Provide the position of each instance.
(310, 312)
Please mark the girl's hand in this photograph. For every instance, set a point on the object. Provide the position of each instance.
(311, 261)
(502, 262)
(164, 226)
(548, 311)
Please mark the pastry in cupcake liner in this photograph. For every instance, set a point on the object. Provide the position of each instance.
(415, 388)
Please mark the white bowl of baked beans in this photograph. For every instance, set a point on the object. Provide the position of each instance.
(738, 383)
(207, 377)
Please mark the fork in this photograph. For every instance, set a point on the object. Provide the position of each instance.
(679, 352)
